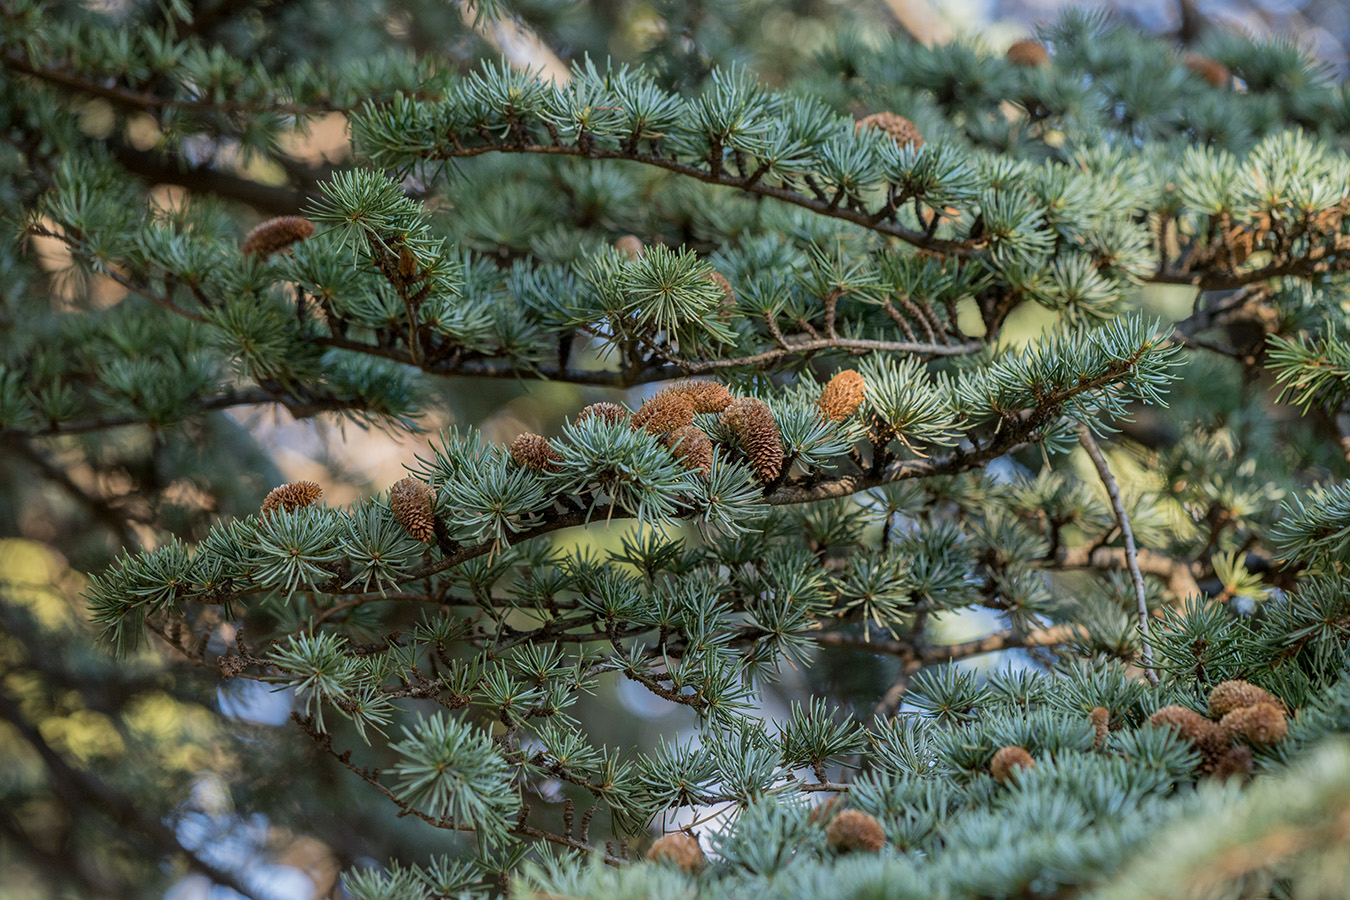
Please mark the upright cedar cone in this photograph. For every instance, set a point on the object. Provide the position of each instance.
(692, 447)
(664, 411)
(276, 235)
(1261, 725)
(1211, 70)
(1237, 694)
(904, 132)
(608, 412)
(853, 830)
(292, 496)
(704, 396)
(841, 396)
(1101, 726)
(630, 245)
(530, 451)
(680, 849)
(1028, 53)
(410, 501)
(758, 433)
(1009, 759)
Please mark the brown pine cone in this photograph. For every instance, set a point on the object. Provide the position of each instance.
(678, 848)
(1101, 725)
(664, 411)
(630, 245)
(530, 451)
(1211, 70)
(853, 830)
(902, 130)
(1238, 694)
(1008, 760)
(411, 501)
(276, 235)
(692, 447)
(1261, 725)
(1189, 724)
(1028, 53)
(292, 496)
(1236, 761)
(608, 412)
(758, 433)
(841, 396)
(704, 396)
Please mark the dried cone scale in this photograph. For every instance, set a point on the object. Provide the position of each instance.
(852, 830)
(841, 396)
(692, 447)
(276, 235)
(758, 433)
(410, 501)
(292, 496)
(904, 132)
(531, 451)
(1009, 760)
(680, 849)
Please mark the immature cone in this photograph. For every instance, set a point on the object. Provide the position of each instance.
(1211, 70)
(410, 502)
(1237, 694)
(902, 130)
(1236, 761)
(630, 245)
(608, 412)
(853, 830)
(680, 849)
(292, 496)
(758, 433)
(664, 411)
(704, 396)
(1101, 725)
(841, 396)
(1260, 725)
(692, 447)
(1009, 759)
(1028, 53)
(530, 451)
(276, 235)
(1189, 724)
(728, 292)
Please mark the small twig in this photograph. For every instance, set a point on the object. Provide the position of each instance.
(1131, 551)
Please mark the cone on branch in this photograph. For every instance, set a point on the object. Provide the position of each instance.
(681, 850)
(1007, 761)
(411, 501)
(1189, 724)
(904, 132)
(276, 235)
(1261, 724)
(1101, 726)
(755, 428)
(1029, 54)
(704, 396)
(1237, 694)
(532, 451)
(664, 411)
(291, 496)
(1211, 70)
(841, 396)
(608, 413)
(855, 831)
(692, 447)
(630, 245)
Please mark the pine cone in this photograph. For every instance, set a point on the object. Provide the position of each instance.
(904, 132)
(530, 451)
(664, 411)
(410, 501)
(630, 245)
(1009, 759)
(1028, 53)
(1262, 724)
(758, 433)
(1236, 761)
(292, 496)
(704, 396)
(1204, 734)
(853, 830)
(1101, 724)
(276, 235)
(1237, 694)
(1211, 70)
(680, 849)
(692, 447)
(728, 303)
(841, 396)
(608, 412)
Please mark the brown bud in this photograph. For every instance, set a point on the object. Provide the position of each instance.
(1235, 762)
(1028, 53)
(530, 451)
(758, 433)
(410, 501)
(692, 447)
(664, 411)
(1261, 725)
(1101, 725)
(607, 412)
(841, 396)
(630, 245)
(852, 830)
(902, 130)
(1009, 759)
(1211, 70)
(678, 848)
(276, 235)
(292, 496)
(1237, 694)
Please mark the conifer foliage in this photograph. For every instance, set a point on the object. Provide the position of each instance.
(877, 354)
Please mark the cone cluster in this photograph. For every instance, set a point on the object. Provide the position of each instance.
(680, 849)
(1007, 761)
(276, 235)
(675, 406)
(1247, 715)
(410, 501)
(854, 831)
(754, 426)
(531, 451)
(904, 132)
(292, 496)
(841, 396)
